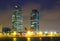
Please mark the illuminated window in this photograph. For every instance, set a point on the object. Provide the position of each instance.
(32, 25)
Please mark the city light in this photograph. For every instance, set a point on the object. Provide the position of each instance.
(29, 20)
(40, 33)
(29, 33)
(28, 39)
(55, 33)
(7, 34)
(51, 34)
(14, 39)
(1, 34)
(45, 32)
(14, 33)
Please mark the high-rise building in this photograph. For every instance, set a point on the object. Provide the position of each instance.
(35, 20)
(17, 19)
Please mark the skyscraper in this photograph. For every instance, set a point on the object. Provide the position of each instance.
(35, 20)
(17, 19)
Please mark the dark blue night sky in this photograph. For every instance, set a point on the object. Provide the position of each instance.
(45, 4)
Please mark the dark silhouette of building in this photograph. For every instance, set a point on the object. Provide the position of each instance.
(6, 29)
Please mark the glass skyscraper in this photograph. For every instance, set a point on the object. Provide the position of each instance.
(35, 20)
(17, 19)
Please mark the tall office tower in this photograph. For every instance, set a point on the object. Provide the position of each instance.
(35, 20)
(17, 19)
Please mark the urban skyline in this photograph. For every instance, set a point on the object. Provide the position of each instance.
(49, 13)
(29, 20)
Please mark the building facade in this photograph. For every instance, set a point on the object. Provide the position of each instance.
(0, 27)
(17, 20)
(35, 20)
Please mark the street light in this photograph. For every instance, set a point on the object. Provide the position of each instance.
(29, 33)
(45, 33)
(14, 33)
(51, 34)
(40, 33)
